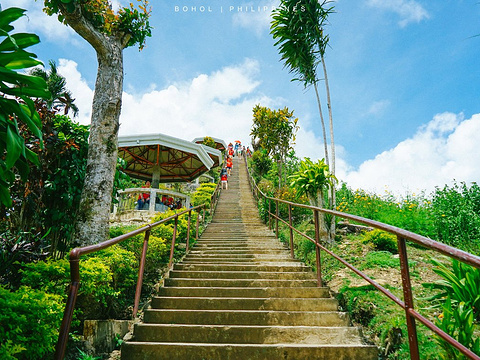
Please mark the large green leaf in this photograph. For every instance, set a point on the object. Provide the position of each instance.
(15, 146)
(19, 41)
(8, 16)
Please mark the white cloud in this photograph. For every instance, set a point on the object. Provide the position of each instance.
(254, 16)
(410, 11)
(80, 90)
(378, 108)
(443, 150)
(206, 105)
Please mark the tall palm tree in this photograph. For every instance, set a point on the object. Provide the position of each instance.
(57, 85)
(298, 27)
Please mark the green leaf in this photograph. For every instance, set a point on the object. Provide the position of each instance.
(9, 15)
(15, 146)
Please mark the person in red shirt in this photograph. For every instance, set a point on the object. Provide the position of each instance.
(229, 165)
(224, 179)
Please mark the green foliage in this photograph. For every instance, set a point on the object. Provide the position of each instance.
(458, 322)
(412, 212)
(312, 179)
(456, 211)
(29, 321)
(203, 194)
(381, 240)
(130, 20)
(274, 131)
(208, 141)
(460, 284)
(298, 29)
(16, 105)
(260, 163)
(379, 259)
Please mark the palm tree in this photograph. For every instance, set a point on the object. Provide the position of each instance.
(298, 27)
(57, 85)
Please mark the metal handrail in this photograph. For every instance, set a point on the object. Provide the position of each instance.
(76, 253)
(402, 237)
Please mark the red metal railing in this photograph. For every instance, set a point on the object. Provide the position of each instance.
(76, 253)
(402, 237)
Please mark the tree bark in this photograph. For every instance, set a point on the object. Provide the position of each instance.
(332, 196)
(323, 123)
(93, 217)
(92, 221)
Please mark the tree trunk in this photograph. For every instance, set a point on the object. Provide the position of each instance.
(93, 217)
(332, 196)
(323, 123)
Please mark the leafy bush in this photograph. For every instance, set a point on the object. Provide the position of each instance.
(461, 284)
(456, 211)
(458, 322)
(381, 240)
(29, 321)
(203, 194)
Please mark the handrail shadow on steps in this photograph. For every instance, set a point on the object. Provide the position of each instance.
(402, 237)
(76, 253)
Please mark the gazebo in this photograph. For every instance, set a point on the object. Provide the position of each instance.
(219, 143)
(160, 158)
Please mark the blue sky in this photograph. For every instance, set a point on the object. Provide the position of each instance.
(404, 78)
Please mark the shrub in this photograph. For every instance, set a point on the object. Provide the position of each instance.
(29, 321)
(381, 240)
(203, 194)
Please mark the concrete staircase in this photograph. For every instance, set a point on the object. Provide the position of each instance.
(239, 295)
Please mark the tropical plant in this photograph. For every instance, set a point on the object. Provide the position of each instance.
(313, 180)
(298, 27)
(274, 131)
(16, 105)
(61, 98)
(458, 322)
(108, 33)
(461, 284)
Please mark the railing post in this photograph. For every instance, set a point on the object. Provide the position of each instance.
(408, 299)
(173, 242)
(203, 219)
(291, 230)
(69, 307)
(277, 214)
(141, 269)
(269, 216)
(197, 225)
(188, 230)
(317, 248)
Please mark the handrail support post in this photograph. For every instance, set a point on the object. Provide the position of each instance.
(408, 299)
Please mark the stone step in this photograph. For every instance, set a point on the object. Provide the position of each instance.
(190, 274)
(248, 292)
(238, 303)
(239, 283)
(212, 351)
(239, 261)
(291, 267)
(187, 333)
(237, 251)
(245, 317)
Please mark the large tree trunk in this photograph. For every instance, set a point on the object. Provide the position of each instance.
(93, 217)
